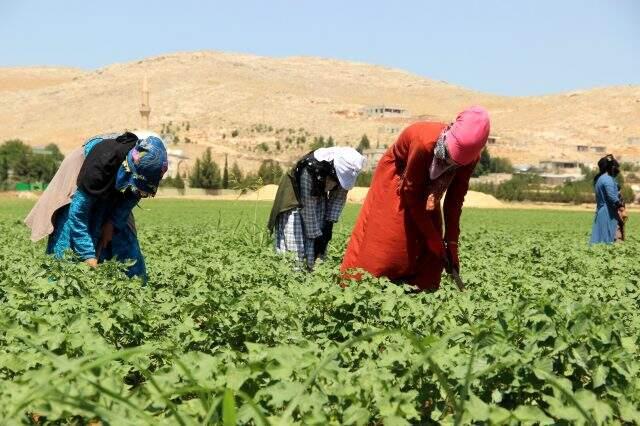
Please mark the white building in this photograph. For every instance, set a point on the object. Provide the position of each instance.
(385, 111)
(177, 163)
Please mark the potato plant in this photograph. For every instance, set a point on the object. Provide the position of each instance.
(226, 332)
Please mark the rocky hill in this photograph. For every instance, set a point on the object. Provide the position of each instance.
(276, 106)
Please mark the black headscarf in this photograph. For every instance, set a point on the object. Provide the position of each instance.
(98, 173)
(319, 171)
(607, 164)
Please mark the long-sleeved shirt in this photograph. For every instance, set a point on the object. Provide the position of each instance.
(319, 209)
(605, 222)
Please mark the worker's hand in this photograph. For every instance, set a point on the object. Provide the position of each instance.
(93, 262)
(622, 214)
(321, 243)
(327, 231)
(453, 261)
(320, 246)
(105, 237)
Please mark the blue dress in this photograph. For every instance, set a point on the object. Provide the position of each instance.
(78, 227)
(605, 223)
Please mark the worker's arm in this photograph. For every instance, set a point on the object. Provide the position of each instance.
(118, 221)
(335, 204)
(122, 210)
(452, 210)
(79, 216)
(413, 187)
(312, 224)
(611, 192)
(454, 200)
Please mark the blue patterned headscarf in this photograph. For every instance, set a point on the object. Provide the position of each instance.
(144, 166)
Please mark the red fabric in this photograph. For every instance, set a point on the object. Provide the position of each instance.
(395, 236)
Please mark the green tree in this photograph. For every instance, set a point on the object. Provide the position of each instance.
(483, 166)
(26, 165)
(40, 168)
(194, 177)
(16, 153)
(55, 152)
(364, 178)
(236, 174)
(210, 177)
(4, 171)
(178, 182)
(500, 165)
(629, 167)
(364, 144)
(318, 142)
(330, 142)
(225, 174)
(167, 181)
(270, 172)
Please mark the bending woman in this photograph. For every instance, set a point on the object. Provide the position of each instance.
(87, 206)
(398, 233)
(310, 199)
(608, 202)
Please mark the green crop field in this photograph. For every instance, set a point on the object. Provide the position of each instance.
(225, 332)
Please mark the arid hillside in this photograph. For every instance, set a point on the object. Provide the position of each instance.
(276, 106)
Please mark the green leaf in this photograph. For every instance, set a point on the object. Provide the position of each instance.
(498, 415)
(355, 415)
(629, 412)
(600, 376)
(229, 415)
(478, 410)
(531, 414)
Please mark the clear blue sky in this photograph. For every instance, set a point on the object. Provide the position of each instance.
(504, 47)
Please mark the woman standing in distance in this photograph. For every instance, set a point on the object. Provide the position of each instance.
(608, 221)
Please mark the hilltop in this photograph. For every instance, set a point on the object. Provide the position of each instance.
(206, 97)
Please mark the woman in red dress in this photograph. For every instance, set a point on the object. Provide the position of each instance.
(399, 232)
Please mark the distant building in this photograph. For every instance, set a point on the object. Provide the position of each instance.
(40, 150)
(557, 172)
(522, 168)
(145, 109)
(634, 140)
(373, 156)
(385, 111)
(492, 178)
(560, 166)
(389, 130)
(177, 164)
(560, 178)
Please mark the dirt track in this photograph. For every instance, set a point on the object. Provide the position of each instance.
(358, 194)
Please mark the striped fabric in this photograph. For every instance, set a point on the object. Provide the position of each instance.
(296, 229)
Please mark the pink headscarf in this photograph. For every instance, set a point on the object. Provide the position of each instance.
(468, 135)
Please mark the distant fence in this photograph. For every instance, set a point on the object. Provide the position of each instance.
(28, 186)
